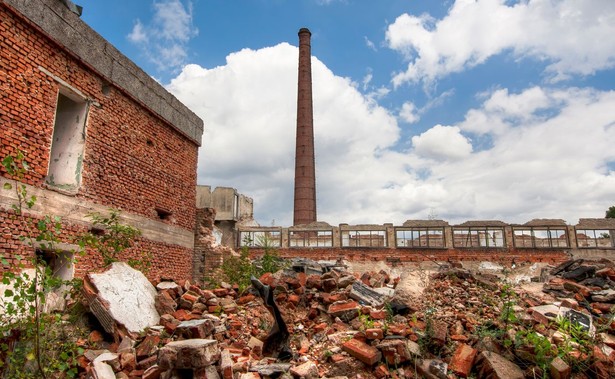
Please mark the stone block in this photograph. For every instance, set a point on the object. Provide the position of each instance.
(362, 351)
(195, 328)
(226, 364)
(307, 370)
(559, 369)
(189, 354)
(492, 365)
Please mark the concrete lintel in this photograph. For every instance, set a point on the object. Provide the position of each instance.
(76, 210)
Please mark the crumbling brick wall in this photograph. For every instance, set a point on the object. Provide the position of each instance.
(400, 256)
(133, 159)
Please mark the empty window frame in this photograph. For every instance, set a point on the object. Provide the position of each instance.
(364, 238)
(431, 238)
(595, 238)
(540, 237)
(481, 237)
(68, 142)
(260, 238)
(310, 238)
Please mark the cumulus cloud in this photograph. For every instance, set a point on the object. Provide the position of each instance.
(164, 39)
(572, 36)
(442, 143)
(408, 113)
(549, 154)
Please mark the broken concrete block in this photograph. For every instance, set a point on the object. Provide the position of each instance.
(188, 354)
(101, 370)
(208, 372)
(122, 299)
(366, 295)
(307, 370)
(271, 370)
(394, 351)
(438, 368)
(112, 359)
(226, 364)
(492, 365)
(362, 351)
(195, 328)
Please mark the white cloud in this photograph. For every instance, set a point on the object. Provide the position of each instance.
(138, 34)
(408, 113)
(370, 44)
(572, 36)
(442, 143)
(548, 158)
(164, 40)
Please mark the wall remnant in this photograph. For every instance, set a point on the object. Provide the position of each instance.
(129, 145)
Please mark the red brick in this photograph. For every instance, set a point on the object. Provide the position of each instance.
(362, 351)
(462, 360)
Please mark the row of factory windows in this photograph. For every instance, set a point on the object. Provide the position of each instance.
(435, 238)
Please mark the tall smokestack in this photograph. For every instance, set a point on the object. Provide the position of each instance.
(305, 173)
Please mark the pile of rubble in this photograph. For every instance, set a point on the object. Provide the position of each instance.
(342, 324)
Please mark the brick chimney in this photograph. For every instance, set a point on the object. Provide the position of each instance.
(305, 173)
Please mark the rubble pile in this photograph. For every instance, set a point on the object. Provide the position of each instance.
(343, 324)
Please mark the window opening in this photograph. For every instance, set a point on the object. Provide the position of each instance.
(595, 238)
(481, 237)
(260, 238)
(419, 237)
(364, 238)
(540, 237)
(310, 238)
(68, 142)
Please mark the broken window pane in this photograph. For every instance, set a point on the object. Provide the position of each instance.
(478, 237)
(540, 237)
(364, 238)
(260, 238)
(595, 238)
(310, 238)
(419, 237)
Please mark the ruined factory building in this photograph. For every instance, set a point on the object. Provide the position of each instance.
(97, 132)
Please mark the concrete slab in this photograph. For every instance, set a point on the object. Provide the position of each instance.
(122, 299)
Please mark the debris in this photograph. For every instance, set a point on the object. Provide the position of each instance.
(122, 299)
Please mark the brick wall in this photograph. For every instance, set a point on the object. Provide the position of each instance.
(133, 159)
(400, 256)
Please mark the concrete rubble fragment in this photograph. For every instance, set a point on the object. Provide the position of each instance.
(122, 299)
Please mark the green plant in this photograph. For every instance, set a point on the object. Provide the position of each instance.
(537, 348)
(109, 236)
(239, 269)
(366, 321)
(508, 297)
(576, 338)
(27, 342)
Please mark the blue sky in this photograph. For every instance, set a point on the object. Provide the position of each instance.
(460, 110)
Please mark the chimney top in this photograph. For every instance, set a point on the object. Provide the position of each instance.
(304, 30)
